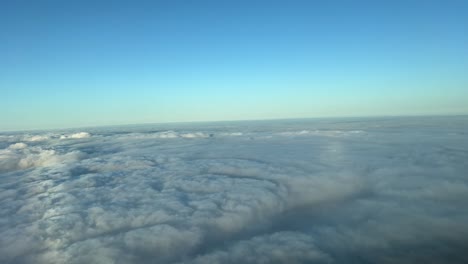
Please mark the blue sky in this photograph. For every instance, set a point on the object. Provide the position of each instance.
(88, 63)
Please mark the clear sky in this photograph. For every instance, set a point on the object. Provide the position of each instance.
(87, 63)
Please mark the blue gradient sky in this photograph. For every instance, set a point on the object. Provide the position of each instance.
(86, 63)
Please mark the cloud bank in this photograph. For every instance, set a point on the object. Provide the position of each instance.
(338, 191)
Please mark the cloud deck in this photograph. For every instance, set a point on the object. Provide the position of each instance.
(390, 190)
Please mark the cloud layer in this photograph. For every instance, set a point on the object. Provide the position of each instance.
(338, 191)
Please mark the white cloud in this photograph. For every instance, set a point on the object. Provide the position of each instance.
(194, 135)
(76, 135)
(19, 145)
(20, 156)
(238, 194)
(36, 138)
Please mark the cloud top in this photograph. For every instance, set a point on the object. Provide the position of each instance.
(76, 135)
(303, 192)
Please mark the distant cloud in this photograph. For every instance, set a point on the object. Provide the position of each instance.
(36, 138)
(76, 135)
(242, 194)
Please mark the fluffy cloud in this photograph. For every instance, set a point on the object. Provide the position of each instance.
(19, 145)
(340, 192)
(19, 156)
(76, 135)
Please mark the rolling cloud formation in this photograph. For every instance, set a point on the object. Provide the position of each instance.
(390, 190)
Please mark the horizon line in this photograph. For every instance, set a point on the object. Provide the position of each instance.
(229, 120)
